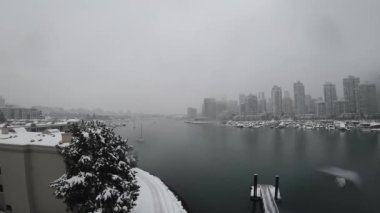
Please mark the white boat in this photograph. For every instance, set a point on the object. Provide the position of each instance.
(342, 127)
(375, 127)
(365, 127)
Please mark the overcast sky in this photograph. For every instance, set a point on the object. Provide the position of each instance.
(162, 56)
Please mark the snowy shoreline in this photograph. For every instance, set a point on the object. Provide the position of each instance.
(155, 196)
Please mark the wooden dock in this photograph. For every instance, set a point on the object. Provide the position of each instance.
(266, 195)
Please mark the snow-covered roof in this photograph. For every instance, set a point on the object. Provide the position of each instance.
(20, 137)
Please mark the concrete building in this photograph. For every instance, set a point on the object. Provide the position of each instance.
(329, 91)
(29, 161)
(21, 113)
(277, 100)
(299, 98)
(367, 99)
(209, 108)
(191, 113)
(351, 94)
(252, 105)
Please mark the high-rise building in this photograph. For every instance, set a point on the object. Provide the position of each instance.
(221, 107)
(209, 108)
(233, 107)
(367, 99)
(242, 104)
(262, 103)
(309, 105)
(277, 100)
(252, 105)
(191, 113)
(351, 94)
(299, 98)
(2, 102)
(329, 91)
(320, 108)
(338, 107)
(270, 105)
(287, 104)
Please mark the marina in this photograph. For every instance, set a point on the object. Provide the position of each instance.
(212, 166)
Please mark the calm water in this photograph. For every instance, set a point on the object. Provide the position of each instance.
(212, 167)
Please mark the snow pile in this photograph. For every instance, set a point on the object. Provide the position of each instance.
(155, 197)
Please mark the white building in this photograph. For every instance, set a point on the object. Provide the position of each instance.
(29, 162)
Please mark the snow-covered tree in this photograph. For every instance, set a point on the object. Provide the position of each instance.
(98, 174)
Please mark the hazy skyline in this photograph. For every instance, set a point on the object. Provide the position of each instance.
(163, 56)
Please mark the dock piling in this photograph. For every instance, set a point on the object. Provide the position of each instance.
(255, 186)
(277, 185)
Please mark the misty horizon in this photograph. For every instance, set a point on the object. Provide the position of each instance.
(165, 56)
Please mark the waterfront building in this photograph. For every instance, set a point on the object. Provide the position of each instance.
(329, 91)
(242, 104)
(191, 113)
(252, 105)
(309, 104)
(320, 108)
(270, 105)
(262, 102)
(21, 113)
(29, 161)
(339, 107)
(287, 104)
(209, 108)
(233, 107)
(277, 100)
(351, 94)
(367, 99)
(299, 98)
(221, 107)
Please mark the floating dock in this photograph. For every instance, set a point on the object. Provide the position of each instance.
(267, 195)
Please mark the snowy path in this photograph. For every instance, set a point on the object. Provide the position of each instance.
(155, 197)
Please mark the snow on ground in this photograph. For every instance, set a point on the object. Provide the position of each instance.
(155, 196)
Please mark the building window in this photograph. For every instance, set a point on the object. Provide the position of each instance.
(8, 208)
(1, 188)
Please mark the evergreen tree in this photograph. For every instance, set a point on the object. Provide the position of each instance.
(98, 174)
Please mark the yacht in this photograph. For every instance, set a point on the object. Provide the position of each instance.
(375, 127)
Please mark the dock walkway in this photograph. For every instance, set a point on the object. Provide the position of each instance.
(266, 195)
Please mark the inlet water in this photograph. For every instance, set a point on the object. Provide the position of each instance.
(212, 167)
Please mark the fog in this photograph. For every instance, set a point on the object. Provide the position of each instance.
(163, 56)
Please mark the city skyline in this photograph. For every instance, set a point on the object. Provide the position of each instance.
(137, 61)
(360, 100)
(198, 106)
